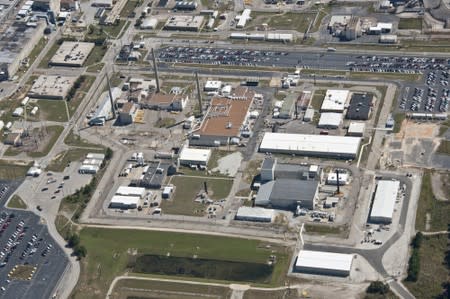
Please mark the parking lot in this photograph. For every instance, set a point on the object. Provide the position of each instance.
(25, 241)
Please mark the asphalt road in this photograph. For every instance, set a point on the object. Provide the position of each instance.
(27, 249)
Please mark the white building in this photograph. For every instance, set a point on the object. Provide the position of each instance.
(311, 145)
(131, 191)
(255, 214)
(124, 202)
(18, 111)
(324, 263)
(149, 23)
(356, 129)
(330, 120)
(88, 169)
(332, 179)
(384, 201)
(211, 85)
(309, 115)
(243, 18)
(335, 100)
(194, 156)
(280, 37)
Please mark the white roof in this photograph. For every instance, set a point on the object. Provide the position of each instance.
(95, 156)
(304, 143)
(335, 100)
(149, 23)
(18, 111)
(385, 196)
(280, 36)
(250, 212)
(330, 119)
(195, 154)
(324, 260)
(89, 167)
(92, 162)
(126, 191)
(210, 84)
(343, 177)
(356, 127)
(125, 200)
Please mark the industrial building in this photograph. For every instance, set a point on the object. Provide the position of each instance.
(149, 23)
(255, 214)
(309, 115)
(388, 39)
(211, 85)
(342, 147)
(384, 201)
(88, 169)
(102, 3)
(272, 170)
(131, 191)
(184, 23)
(334, 100)
(186, 5)
(360, 106)
(352, 29)
(104, 110)
(194, 156)
(226, 119)
(338, 23)
(124, 202)
(169, 102)
(153, 175)
(17, 40)
(288, 107)
(127, 114)
(280, 37)
(330, 120)
(380, 28)
(303, 100)
(332, 178)
(72, 54)
(288, 194)
(271, 37)
(47, 5)
(323, 263)
(243, 18)
(51, 87)
(356, 129)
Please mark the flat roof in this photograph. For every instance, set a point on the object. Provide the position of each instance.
(126, 191)
(189, 22)
(52, 87)
(384, 201)
(255, 212)
(310, 144)
(356, 127)
(324, 260)
(125, 200)
(195, 154)
(330, 119)
(334, 100)
(72, 53)
(226, 115)
(360, 106)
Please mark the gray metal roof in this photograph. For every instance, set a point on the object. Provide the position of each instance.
(295, 190)
(268, 163)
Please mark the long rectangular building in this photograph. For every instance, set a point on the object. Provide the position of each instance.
(342, 147)
(324, 263)
(384, 201)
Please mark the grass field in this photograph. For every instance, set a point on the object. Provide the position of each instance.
(59, 162)
(384, 76)
(96, 55)
(80, 93)
(46, 59)
(95, 68)
(11, 171)
(317, 99)
(23, 272)
(52, 110)
(444, 147)
(326, 229)
(439, 210)
(281, 294)
(75, 140)
(251, 170)
(54, 132)
(129, 8)
(434, 271)
(108, 254)
(169, 290)
(398, 117)
(16, 202)
(292, 21)
(182, 203)
(410, 23)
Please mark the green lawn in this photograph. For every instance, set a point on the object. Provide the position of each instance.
(170, 290)
(439, 210)
(80, 93)
(54, 132)
(11, 171)
(75, 140)
(60, 162)
(398, 117)
(108, 254)
(129, 8)
(52, 110)
(96, 55)
(444, 147)
(182, 203)
(95, 68)
(16, 202)
(384, 76)
(325, 229)
(317, 99)
(113, 30)
(410, 23)
(292, 21)
(281, 294)
(434, 270)
(46, 59)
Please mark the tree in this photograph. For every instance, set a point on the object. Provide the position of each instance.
(108, 154)
(74, 240)
(80, 251)
(378, 287)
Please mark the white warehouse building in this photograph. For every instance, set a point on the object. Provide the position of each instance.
(124, 202)
(323, 263)
(342, 147)
(255, 214)
(330, 120)
(384, 201)
(194, 156)
(131, 191)
(334, 100)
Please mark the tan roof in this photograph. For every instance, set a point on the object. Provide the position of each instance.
(225, 115)
(159, 98)
(127, 107)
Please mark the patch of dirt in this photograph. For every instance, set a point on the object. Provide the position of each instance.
(440, 184)
(410, 129)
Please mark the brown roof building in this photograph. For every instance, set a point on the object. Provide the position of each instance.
(170, 102)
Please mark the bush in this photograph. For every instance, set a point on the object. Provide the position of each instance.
(378, 287)
(414, 260)
(80, 251)
(108, 154)
(74, 240)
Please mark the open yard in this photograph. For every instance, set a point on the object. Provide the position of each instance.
(11, 171)
(169, 290)
(410, 23)
(444, 147)
(109, 252)
(186, 190)
(75, 140)
(52, 110)
(59, 162)
(434, 269)
(96, 55)
(317, 100)
(79, 94)
(439, 211)
(284, 21)
(16, 202)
